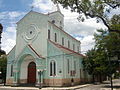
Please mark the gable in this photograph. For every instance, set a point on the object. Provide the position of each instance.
(28, 50)
(30, 13)
(31, 18)
(11, 54)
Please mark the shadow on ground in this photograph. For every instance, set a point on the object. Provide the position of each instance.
(108, 86)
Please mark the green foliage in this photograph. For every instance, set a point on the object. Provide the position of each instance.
(3, 62)
(95, 62)
(114, 23)
(3, 65)
(99, 60)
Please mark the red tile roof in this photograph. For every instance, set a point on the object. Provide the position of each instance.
(35, 51)
(64, 48)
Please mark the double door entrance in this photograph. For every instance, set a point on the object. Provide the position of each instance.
(31, 73)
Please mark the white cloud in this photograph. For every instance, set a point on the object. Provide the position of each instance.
(86, 43)
(15, 14)
(44, 5)
(83, 30)
(8, 39)
(9, 31)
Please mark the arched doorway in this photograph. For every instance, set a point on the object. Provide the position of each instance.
(31, 72)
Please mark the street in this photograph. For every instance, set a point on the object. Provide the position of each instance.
(104, 86)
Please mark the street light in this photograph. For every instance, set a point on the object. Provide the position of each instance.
(39, 78)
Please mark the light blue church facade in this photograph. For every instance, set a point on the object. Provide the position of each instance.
(44, 53)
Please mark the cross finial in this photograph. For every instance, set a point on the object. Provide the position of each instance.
(58, 8)
(32, 7)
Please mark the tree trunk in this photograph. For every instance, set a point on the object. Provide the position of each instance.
(93, 78)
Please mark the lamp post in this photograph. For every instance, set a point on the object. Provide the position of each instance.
(39, 78)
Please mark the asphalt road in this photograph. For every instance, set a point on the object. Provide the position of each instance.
(105, 86)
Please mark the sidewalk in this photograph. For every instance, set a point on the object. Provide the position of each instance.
(44, 88)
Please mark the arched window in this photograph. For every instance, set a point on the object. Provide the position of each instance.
(48, 34)
(73, 47)
(75, 66)
(78, 48)
(68, 65)
(68, 44)
(51, 71)
(53, 21)
(55, 37)
(11, 74)
(52, 68)
(62, 40)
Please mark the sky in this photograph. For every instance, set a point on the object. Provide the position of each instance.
(11, 11)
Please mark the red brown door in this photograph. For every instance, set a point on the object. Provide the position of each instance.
(31, 72)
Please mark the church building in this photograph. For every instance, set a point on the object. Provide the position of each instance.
(45, 53)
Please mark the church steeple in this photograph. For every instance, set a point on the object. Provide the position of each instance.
(55, 7)
(58, 8)
(56, 17)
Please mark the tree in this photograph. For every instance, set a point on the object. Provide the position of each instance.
(97, 61)
(3, 66)
(98, 9)
(108, 43)
(89, 64)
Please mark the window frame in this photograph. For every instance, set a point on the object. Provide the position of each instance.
(55, 37)
(68, 44)
(11, 72)
(63, 41)
(68, 66)
(78, 49)
(53, 68)
(49, 36)
(73, 47)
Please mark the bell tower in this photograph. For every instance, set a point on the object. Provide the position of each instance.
(56, 17)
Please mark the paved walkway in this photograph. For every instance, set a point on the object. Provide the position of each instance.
(104, 86)
(45, 88)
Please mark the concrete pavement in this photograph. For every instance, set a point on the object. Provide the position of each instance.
(44, 88)
(103, 86)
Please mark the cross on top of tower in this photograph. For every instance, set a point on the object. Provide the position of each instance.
(58, 8)
(32, 7)
(55, 7)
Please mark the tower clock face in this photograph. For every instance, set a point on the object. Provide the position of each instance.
(31, 32)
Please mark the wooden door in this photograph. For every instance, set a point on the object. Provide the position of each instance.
(31, 72)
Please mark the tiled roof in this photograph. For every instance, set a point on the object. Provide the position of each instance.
(35, 51)
(65, 49)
